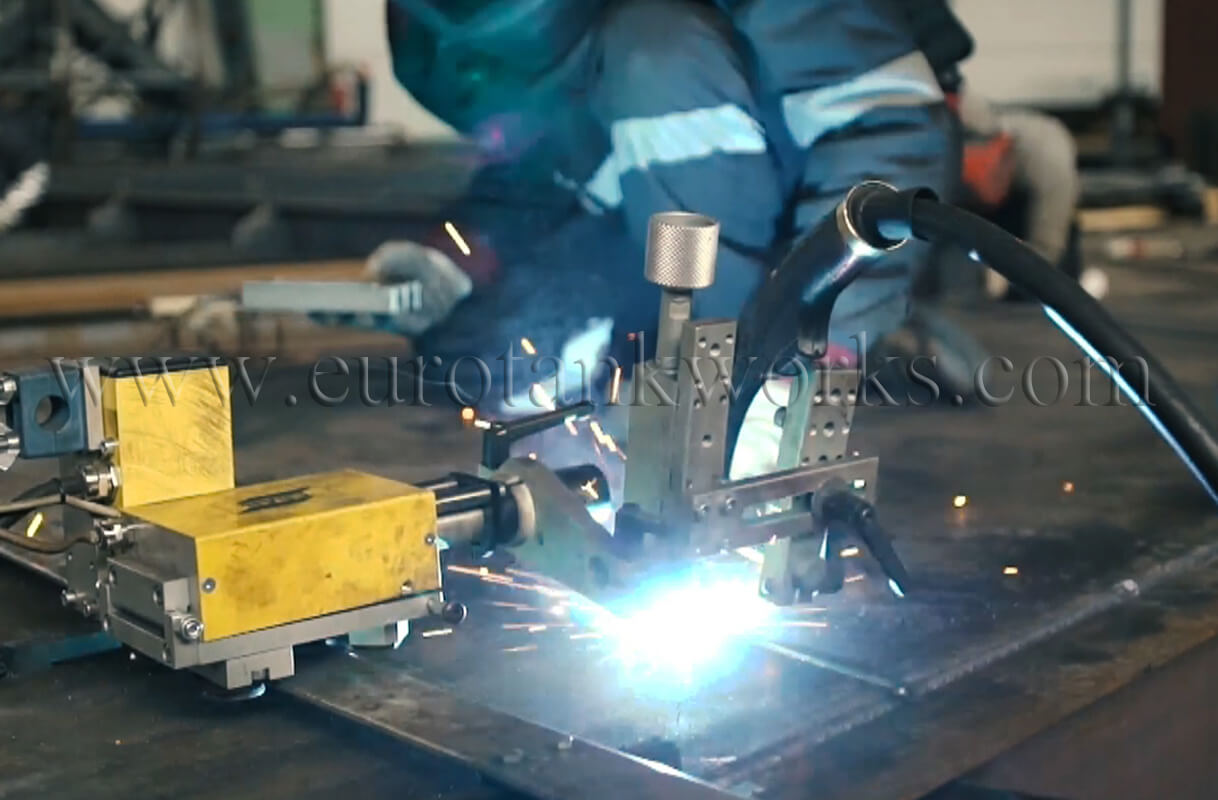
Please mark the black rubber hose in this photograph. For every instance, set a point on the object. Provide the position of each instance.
(1074, 311)
(42, 546)
(44, 489)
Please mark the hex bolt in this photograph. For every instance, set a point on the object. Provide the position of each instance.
(108, 447)
(192, 629)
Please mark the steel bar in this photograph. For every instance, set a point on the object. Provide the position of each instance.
(833, 665)
(536, 761)
(339, 297)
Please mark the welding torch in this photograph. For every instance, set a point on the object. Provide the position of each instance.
(876, 219)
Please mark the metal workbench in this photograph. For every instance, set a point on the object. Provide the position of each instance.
(1036, 681)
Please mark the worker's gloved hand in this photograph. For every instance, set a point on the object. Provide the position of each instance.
(444, 285)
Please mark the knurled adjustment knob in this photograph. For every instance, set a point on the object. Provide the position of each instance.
(681, 250)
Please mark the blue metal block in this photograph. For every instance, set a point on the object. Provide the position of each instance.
(49, 412)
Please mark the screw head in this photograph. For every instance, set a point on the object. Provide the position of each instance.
(192, 629)
(429, 539)
(209, 585)
(157, 597)
(407, 588)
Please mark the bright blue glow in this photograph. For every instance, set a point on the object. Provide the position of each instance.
(1139, 402)
(690, 624)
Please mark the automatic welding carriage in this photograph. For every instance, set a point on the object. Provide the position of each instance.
(171, 558)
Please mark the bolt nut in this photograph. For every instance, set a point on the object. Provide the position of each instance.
(8, 389)
(191, 630)
(100, 480)
(110, 532)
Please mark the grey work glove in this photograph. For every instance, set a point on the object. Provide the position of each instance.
(444, 285)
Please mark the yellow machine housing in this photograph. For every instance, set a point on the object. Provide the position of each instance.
(175, 433)
(280, 552)
(264, 555)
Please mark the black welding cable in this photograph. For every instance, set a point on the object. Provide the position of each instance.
(892, 215)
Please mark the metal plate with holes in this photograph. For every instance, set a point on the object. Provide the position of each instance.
(819, 414)
(651, 415)
(703, 397)
(730, 515)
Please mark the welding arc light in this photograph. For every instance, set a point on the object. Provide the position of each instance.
(686, 621)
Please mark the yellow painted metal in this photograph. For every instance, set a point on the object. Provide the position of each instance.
(174, 432)
(290, 550)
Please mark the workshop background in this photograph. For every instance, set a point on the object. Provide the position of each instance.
(271, 136)
(163, 153)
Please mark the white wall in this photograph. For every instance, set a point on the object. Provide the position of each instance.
(1057, 50)
(355, 33)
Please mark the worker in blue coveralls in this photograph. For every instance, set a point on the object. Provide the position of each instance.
(593, 115)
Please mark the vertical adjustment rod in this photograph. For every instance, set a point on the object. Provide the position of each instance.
(681, 253)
